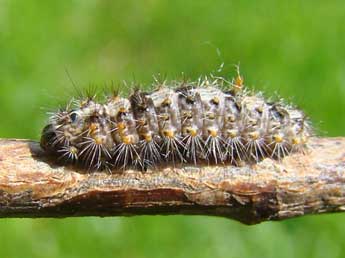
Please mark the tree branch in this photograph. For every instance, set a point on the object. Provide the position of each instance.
(32, 186)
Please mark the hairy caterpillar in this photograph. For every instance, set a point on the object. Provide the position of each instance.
(187, 122)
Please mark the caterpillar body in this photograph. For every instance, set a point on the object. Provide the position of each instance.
(212, 122)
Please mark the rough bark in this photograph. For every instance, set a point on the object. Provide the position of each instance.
(31, 185)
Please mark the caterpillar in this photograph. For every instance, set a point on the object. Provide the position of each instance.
(211, 121)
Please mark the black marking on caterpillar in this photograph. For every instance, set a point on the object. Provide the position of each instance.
(193, 123)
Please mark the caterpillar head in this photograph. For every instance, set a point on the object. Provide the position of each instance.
(62, 129)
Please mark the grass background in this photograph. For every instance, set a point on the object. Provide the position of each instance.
(295, 48)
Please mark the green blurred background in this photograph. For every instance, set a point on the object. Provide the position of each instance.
(295, 48)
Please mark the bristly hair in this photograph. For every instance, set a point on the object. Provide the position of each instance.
(126, 156)
(210, 121)
(172, 150)
(194, 149)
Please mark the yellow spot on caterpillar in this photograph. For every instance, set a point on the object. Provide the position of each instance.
(206, 82)
(93, 128)
(191, 131)
(73, 150)
(232, 133)
(98, 140)
(121, 126)
(169, 133)
(115, 97)
(122, 110)
(277, 138)
(166, 102)
(212, 132)
(295, 141)
(127, 139)
(148, 137)
(260, 109)
(215, 100)
(231, 118)
(211, 116)
(239, 81)
(254, 135)
(190, 98)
